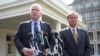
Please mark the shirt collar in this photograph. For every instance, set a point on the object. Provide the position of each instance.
(38, 22)
(74, 28)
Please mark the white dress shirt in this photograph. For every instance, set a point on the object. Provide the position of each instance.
(74, 29)
(32, 26)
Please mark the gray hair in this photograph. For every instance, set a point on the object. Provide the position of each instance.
(71, 13)
(35, 4)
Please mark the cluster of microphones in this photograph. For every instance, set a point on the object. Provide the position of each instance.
(37, 44)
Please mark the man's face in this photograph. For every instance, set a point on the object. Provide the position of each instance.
(72, 19)
(35, 13)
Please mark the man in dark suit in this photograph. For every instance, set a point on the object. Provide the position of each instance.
(76, 41)
(22, 39)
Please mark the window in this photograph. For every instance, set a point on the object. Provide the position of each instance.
(96, 3)
(9, 48)
(88, 5)
(86, 26)
(98, 25)
(92, 49)
(77, 7)
(8, 38)
(90, 34)
(91, 14)
(84, 15)
(98, 35)
(92, 25)
(82, 6)
(99, 49)
(98, 13)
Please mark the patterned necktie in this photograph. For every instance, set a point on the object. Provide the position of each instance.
(35, 29)
(36, 33)
(75, 36)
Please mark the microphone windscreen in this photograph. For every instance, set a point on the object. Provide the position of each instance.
(54, 33)
(45, 34)
(30, 35)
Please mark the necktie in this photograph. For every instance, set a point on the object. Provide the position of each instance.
(35, 29)
(36, 33)
(75, 36)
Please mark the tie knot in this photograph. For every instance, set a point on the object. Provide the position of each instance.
(73, 29)
(35, 23)
(35, 27)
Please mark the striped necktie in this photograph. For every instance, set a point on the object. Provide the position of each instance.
(35, 29)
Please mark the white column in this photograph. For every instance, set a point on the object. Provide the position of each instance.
(16, 53)
(58, 26)
(95, 39)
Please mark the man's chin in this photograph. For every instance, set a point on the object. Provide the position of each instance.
(35, 19)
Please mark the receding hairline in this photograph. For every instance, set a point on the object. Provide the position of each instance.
(36, 4)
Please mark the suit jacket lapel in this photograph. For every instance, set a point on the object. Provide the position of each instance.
(71, 36)
(29, 27)
(79, 36)
(42, 26)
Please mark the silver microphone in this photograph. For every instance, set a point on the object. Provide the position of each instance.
(41, 37)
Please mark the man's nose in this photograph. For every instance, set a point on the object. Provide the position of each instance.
(34, 11)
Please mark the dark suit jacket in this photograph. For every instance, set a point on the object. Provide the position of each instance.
(70, 47)
(21, 37)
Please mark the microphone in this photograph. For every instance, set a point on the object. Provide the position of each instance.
(30, 37)
(59, 44)
(46, 38)
(31, 42)
(34, 44)
(45, 35)
(41, 37)
(57, 36)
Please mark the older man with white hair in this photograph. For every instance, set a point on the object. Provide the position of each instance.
(32, 26)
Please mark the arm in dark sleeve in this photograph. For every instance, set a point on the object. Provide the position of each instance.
(87, 46)
(17, 39)
(65, 53)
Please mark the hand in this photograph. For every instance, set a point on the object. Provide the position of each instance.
(46, 51)
(27, 51)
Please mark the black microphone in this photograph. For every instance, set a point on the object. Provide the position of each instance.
(45, 36)
(54, 37)
(59, 43)
(57, 36)
(30, 37)
(31, 42)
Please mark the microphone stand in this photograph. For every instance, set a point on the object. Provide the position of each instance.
(32, 44)
(57, 45)
(41, 38)
(55, 48)
(60, 42)
(46, 38)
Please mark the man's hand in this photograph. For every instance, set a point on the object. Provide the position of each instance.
(47, 51)
(27, 52)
